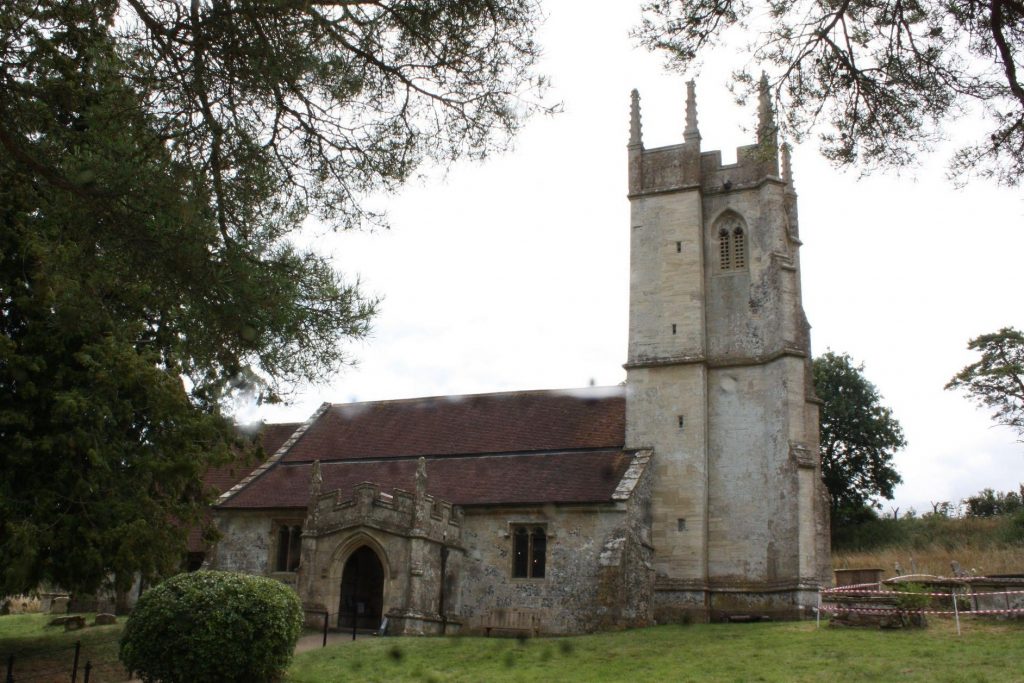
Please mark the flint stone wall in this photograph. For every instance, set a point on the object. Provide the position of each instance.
(599, 573)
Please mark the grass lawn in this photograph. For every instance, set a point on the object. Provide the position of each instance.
(987, 651)
(45, 653)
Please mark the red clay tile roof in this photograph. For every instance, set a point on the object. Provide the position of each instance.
(536, 478)
(221, 478)
(513, 422)
(527, 447)
(271, 437)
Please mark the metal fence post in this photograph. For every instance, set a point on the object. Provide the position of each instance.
(10, 669)
(88, 670)
(74, 666)
(956, 609)
(327, 618)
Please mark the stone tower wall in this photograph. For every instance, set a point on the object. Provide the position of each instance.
(719, 382)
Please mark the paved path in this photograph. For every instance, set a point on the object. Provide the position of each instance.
(316, 640)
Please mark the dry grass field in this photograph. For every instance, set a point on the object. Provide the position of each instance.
(934, 559)
(982, 546)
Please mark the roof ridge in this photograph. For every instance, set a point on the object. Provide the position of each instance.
(255, 427)
(618, 388)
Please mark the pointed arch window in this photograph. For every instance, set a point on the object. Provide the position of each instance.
(732, 245)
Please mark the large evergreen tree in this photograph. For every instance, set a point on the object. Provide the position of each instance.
(859, 436)
(156, 157)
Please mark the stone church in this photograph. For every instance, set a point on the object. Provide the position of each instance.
(692, 491)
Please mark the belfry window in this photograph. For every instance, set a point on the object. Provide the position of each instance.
(732, 245)
(724, 250)
(289, 547)
(739, 251)
(529, 552)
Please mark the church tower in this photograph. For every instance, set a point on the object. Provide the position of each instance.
(719, 380)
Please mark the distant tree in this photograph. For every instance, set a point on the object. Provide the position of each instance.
(859, 436)
(157, 159)
(989, 503)
(996, 381)
(880, 81)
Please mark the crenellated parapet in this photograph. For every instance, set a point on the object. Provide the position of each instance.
(684, 166)
(754, 164)
(399, 512)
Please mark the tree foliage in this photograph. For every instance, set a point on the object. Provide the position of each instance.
(859, 436)
(996, 380)
(989, 503)
(880, 80)
(213, 627)
(156, 161)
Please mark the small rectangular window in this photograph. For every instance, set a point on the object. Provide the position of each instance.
(289, 546)
(681, 524)
(529, 552)
(681, 421)
(673, 328)
(282, 549)
(679, 247)
(520, 553)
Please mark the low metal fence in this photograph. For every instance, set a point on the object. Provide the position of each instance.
(91, 662)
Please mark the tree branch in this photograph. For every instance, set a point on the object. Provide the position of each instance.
(1005, 53)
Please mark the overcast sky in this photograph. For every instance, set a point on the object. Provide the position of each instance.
(513, 274)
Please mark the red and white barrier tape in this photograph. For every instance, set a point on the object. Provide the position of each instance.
(924, 578)
(859, 591)
(836, 609)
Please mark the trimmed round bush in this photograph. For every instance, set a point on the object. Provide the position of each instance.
(212, 627)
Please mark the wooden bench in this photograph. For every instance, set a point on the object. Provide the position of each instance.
(513, 619)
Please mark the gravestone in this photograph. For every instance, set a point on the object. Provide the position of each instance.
(59, 605)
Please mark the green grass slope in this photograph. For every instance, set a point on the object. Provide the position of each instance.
(987, 651)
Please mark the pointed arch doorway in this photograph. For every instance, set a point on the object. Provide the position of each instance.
(362, 590)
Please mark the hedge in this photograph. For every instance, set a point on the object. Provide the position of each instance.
(212, 627)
